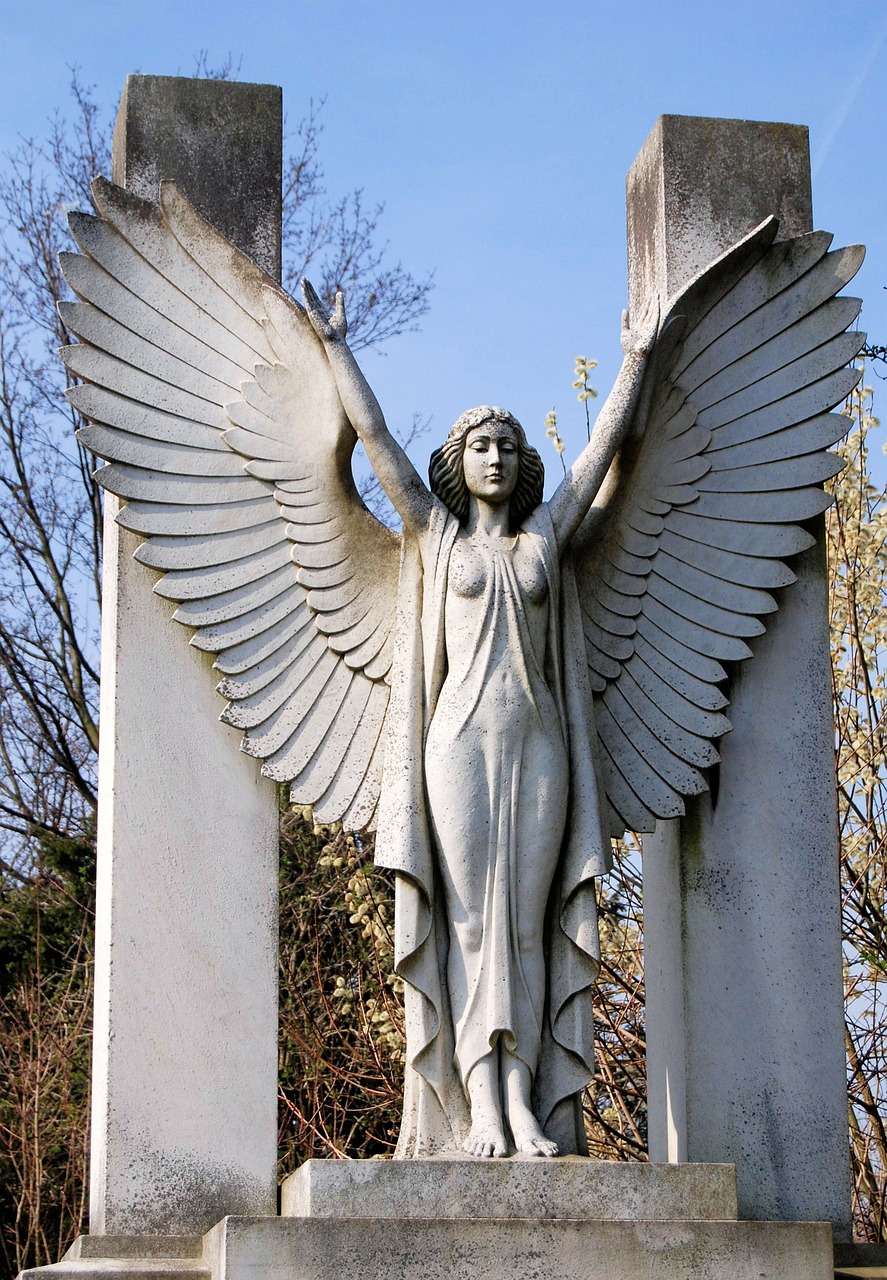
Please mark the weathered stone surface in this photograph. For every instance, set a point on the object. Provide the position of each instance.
(544, 1249)
(127, 1269)
(185, 1063)
(736, 441)
(221, 141)
(128, 1258)
(860, 1262)
(199, 1138)
(750, 966)
(94, 1247)
(516, 1188)
(699, 184)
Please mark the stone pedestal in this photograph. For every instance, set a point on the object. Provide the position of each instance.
(741, 899)
(521, 1187)
(128, 1258)
(569, 1219)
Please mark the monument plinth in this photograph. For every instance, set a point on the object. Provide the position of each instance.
(561, 1219)
(564, 1219)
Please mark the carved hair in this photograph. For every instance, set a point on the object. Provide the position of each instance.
(446, 473)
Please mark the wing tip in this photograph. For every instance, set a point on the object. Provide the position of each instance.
(108, 195)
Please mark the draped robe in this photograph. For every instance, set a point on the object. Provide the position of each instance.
(436, 1113)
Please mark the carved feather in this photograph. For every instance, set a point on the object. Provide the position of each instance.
(211, 399)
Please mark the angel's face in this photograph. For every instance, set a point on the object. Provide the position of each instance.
(491, 461)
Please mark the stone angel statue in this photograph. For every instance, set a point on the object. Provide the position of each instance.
(510, 682)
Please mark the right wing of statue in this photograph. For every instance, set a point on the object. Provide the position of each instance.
(215, 407)
(676, 561)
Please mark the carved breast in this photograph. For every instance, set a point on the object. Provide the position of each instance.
(530, 572)
(469, 570)
(471, 566)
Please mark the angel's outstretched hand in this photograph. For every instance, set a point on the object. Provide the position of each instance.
(640, 339)
(329, 329)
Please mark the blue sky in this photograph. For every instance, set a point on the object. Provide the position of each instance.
(499, 136)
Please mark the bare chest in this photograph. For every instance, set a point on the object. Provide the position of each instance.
(474, 572)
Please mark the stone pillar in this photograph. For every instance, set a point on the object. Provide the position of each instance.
(185, 1045)
(742, 898)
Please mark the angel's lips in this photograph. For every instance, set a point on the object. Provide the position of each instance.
(495, 486)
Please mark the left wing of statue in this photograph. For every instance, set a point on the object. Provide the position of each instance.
(725, 460)
(214, 404)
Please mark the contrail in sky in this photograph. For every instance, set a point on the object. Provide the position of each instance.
(849, 98)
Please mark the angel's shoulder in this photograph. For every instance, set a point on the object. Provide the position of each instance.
(539, 524)
(438, 533)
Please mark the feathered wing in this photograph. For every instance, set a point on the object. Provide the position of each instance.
(728, 457)
(214, 405)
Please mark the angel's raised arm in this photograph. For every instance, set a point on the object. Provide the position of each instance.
(403, 486)
(579, 487)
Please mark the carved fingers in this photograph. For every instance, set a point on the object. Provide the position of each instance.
(640, 338)
(329, 329)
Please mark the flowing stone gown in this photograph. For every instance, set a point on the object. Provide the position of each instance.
(505, 810)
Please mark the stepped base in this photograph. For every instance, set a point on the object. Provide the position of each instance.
(861, 1261)
(128, 1258)
(566, 1219)
(501, 1249)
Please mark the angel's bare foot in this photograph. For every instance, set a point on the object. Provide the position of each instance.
(487, 1136)
(527, 1133)
(525, 1128)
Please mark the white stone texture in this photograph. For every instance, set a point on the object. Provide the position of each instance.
(747, 1064)
(497, 1249)
(184, 1066)
(211, 397)
(565, 1219)
(573, 1187)
(128, 1269)
(725, 424)
(185, 1062)
(128, 1258)
(228, 414)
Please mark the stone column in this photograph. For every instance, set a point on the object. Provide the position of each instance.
(742, 898)
(185, 1044)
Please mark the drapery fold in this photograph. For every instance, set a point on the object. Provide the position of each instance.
(436, 1113)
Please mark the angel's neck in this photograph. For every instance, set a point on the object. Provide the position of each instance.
(488, 519)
